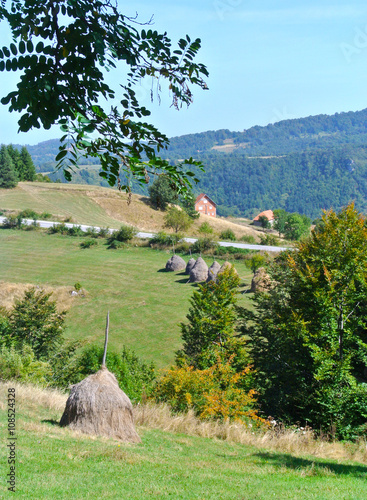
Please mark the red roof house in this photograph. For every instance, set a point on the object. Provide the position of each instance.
(205, 205)
(268, 214)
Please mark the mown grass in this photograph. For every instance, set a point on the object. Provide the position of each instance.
(57, 199)
(146, 304)
(53, 462)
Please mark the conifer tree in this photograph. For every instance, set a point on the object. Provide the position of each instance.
(8, 174)
(212, 318)
(28, 170)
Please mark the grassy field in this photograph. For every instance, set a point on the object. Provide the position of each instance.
(146, 304)
(54, 462)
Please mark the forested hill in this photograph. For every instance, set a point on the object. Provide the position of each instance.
(302, 165)
(287, 136)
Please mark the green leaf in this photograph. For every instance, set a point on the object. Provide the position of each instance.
(61, 155)
(14, 49)
(39, 47)
(29, 46)
(22, 47)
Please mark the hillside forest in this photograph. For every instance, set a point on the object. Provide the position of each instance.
(301, 165)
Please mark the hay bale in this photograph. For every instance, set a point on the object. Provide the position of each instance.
(190, 265)
(97, 405)
(261, 281)
(213, 271)
(226, 265)
(199, 272)
(175, 263)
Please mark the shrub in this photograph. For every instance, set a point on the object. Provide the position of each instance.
(248, 238)
(23, 366)
(217, 392)
(28, 213)
(256, 261)
(164, 240)
(203, 245)
(45, 215)
(205, 228)
(58, 228)
(233, 252)
(124, 234)
(269, 239)
(135, 377)
(13, 222)
(31, 227)
(75, 231)
(88, 243)
(115, 245)
(103, 232)
(228, 235)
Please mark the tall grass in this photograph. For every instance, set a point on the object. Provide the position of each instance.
(158, 416)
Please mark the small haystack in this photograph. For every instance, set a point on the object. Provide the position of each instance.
(190, 265)
(199, 272)
(261, 281)
(98, 406)
(175, 263)
(213, 271)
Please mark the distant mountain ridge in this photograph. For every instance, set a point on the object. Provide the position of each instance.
(303, 164)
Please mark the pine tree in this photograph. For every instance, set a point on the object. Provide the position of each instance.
(212, 318)
(8, 174)
(28, 172)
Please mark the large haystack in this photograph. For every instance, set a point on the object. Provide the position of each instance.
(190, 265)
(175, 263)
(97, 405)
(199, 272)
(213, 271)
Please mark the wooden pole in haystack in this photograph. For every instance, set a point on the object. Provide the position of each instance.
(98, 406)
(106, 340)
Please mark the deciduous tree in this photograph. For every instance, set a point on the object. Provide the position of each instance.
(177, 219)
(63, 49)
(308, 334)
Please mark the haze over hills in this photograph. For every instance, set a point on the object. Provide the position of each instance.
(303, 165)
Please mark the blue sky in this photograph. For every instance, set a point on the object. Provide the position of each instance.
(268, 61)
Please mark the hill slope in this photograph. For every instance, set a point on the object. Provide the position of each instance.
(302, 165)
(100, 206)
(54, 462)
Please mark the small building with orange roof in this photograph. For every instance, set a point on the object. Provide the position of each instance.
(268, 214)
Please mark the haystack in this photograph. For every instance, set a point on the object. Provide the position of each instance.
(225, 266)
(97, 405)
(199, 272)
(190, 265)
(175, 263)
(213, 271)
(261, 281)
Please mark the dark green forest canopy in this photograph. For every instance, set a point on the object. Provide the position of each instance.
(302, 165)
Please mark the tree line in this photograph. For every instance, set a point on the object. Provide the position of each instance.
(15, 166)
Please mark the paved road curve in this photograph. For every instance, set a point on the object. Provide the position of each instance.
(47, 224)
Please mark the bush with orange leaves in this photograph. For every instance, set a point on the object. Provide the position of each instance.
(217, 392)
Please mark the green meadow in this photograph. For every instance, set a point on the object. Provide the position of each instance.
(53, 462)
(146, 304)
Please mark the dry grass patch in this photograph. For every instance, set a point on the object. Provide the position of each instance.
(10, 292)
(287, 441)
(153, 416)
